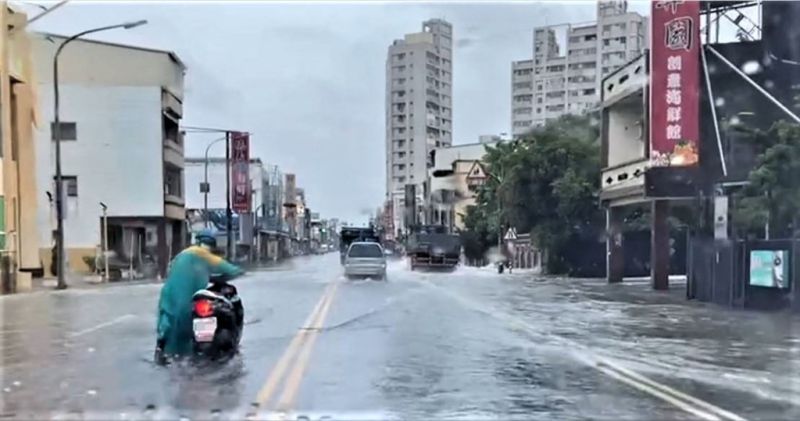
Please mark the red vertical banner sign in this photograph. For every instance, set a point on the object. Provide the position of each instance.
(674, 83)
(240, 172)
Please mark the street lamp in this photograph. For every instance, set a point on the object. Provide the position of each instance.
(228, 212)
(206, 187)
(57, 138)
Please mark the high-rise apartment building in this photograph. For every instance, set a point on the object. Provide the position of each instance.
(567, 81)
(419, 108)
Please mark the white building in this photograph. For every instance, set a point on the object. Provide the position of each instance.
(564, 76)
(120, 111)
(419, 108)
(195, 173)
(455, 176)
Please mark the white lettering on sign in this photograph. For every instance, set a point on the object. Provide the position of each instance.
(679, 34)
(674, 132)
(673, 97)
(670, 5)
(674, 63)
(673, 114)
(674, 80)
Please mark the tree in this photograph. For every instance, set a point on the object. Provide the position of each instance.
(545, 183)
(772, 196)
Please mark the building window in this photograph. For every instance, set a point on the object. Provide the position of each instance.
(173, 179)
(170, 130)
(69, 130)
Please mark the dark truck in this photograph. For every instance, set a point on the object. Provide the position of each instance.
(349, 235)
(431, 246)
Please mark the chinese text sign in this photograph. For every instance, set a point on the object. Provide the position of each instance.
(675, 83)
(240, 172)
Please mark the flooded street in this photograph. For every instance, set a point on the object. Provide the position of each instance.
(466, 345)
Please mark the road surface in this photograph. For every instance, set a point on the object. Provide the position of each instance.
(466, 345)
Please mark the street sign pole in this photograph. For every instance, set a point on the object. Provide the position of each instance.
(228, 212)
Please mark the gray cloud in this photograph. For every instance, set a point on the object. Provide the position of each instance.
(465, 42)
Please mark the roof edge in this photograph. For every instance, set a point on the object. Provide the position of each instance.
(172, 55)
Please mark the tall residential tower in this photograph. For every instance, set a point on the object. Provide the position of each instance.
(565, 79)
(419, 110)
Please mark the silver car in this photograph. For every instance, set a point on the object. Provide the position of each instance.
(365, 259)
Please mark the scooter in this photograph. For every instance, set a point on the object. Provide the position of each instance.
(218, 320)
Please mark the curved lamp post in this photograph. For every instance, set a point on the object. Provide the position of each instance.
(206, 186)
(57, 139)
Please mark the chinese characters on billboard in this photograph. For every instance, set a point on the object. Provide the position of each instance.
(675, 83)
(240, 172)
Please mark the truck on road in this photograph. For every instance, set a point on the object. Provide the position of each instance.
(433, 247)
(349, 235)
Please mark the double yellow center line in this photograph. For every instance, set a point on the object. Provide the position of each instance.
(295, 359)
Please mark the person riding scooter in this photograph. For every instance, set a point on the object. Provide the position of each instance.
(189, 272)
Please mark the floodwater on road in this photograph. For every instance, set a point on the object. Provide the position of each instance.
(471, 344)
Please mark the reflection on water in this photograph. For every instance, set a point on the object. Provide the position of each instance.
(203, 384)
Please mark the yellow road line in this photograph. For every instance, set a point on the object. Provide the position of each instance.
(699, 413)
(705, 406)
(292, 384)
(282, 365)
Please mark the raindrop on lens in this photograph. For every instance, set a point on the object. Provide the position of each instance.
(720, 102)
(751, 67)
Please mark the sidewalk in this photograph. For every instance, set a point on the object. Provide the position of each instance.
(85, 282)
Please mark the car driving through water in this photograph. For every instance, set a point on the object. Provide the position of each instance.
(365, 259)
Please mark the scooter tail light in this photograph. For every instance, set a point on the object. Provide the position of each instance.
(203, 308)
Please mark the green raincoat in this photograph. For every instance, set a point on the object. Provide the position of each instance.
(189, 272)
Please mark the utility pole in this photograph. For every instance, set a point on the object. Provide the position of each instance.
(228, 211)
(60, 258)
(106, 275)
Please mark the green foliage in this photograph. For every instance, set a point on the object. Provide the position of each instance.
(545, 183)
(773, 193)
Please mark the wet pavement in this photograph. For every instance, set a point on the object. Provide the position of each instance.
(465, 345)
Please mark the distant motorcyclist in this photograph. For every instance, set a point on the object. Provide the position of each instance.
(189, 272)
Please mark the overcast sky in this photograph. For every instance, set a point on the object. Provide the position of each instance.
(308, 78)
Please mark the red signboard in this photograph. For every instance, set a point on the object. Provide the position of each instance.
(674, 83)
(240, 172)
